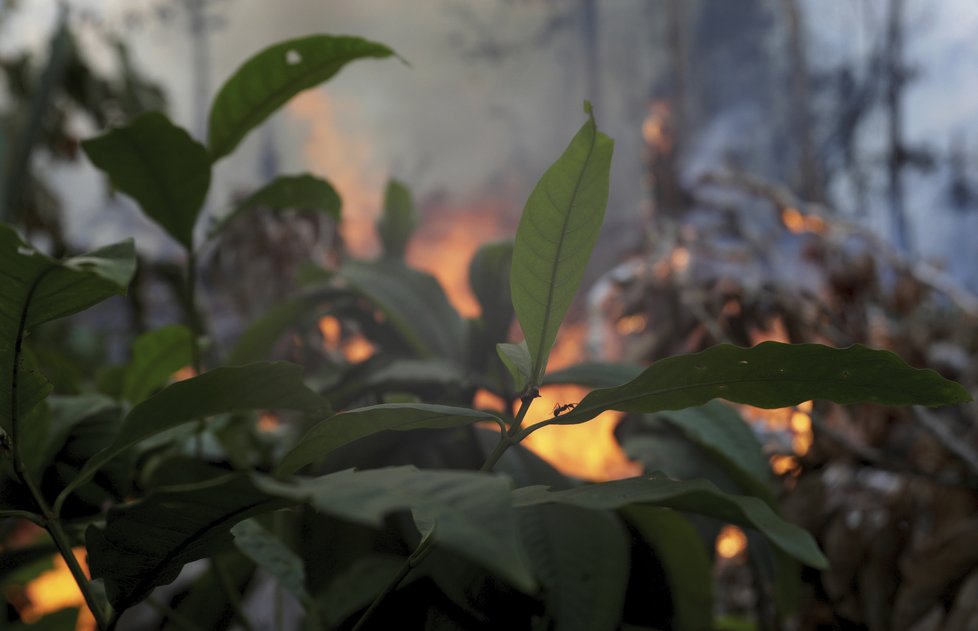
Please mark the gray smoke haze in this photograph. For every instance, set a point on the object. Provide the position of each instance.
(494, 92)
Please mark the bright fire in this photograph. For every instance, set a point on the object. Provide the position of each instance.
(348, 161)
(731, 542)
(53, 590)
(444, 245)
(797, 222)
(588, 450)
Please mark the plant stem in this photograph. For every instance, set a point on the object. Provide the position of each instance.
(193, 315)
(511, 437)
(50, 519)
(412, 562)
(230, 593)
(22, 514)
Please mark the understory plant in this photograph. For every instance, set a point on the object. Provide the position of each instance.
(381, 496)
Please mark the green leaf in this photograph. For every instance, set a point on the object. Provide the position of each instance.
(35, 289)
(156, 355)
(385, 375)
(398, 221)
(414, 304)
(300, 192)
(772, 375)
(724, 434)
(160, 166)
(146, 543)
(557, 232)
(472, 511)
(582, 560)
(694, 496)
(352, 425)
(66, 413)
(259, 386)
(356, 585)
(489, 274)
(273, 556)
(682, 555)
(256, 341)
(593, 375)
(272, 77)
(516, 358)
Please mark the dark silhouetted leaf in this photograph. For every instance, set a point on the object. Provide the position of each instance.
(489, 274)
(724, 434)
(472, 511)
(557, 232)
(414, 303)
(694, 496)
(35, 289)
(772, 375)
(156, 355)
(160, 166)
(273, 556)
(351, 425)
(272, 77)
(581, 559)
(680, 550)
(145, 544)
(260, 386)
(517, 360)
(398, 221)
(299, 192)
(593, 375)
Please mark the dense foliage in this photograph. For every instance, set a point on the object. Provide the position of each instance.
(450, 525)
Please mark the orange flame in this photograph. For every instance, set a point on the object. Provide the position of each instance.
(53, 590)
(445, 242)
(588, 450)
(348, 161)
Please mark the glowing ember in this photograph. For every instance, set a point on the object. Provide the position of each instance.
(631, 324)
(354, 347)
(268, 422)
(183, 374)
(731, 542)
(54, 590)
(793, 220)
(797, 222)
(656, 127)
(783, 465)
(329, 327)
(357, 349)
(679, 259)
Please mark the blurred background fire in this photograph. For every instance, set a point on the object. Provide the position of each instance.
(790, 170)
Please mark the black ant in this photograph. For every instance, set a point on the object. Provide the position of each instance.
(560, 409)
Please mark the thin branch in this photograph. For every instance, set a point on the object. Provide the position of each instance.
(940, 431)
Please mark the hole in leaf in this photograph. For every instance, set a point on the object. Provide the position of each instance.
(293, 58)
(742, 362)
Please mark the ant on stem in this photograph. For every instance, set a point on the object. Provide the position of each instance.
(560, 409)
